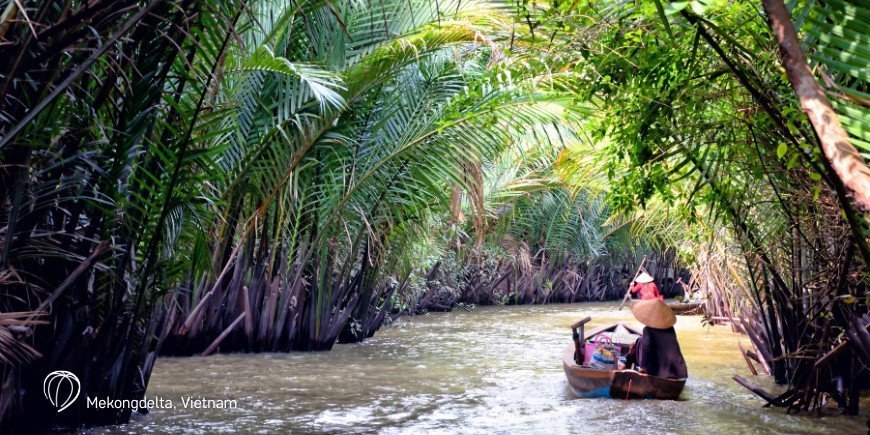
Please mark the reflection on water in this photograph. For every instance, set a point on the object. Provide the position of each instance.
(493, 370)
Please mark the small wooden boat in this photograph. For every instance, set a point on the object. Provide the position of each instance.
(687, 307)
(587, 381)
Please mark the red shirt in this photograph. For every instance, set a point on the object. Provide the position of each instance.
(647, 290)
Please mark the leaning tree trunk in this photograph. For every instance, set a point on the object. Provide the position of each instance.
(833, 139)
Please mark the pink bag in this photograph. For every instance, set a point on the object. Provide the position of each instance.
(601, 353)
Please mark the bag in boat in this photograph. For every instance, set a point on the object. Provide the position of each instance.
(606, 355)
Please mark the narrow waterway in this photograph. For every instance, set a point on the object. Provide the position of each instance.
(492, 370)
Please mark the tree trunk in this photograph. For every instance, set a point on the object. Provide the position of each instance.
(834, 142)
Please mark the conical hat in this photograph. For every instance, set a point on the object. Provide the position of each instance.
(654, 313)
(644, 277)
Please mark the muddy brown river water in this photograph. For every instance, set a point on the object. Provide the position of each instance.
(492, 370)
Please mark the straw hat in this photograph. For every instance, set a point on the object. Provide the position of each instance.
(654, 313)
(644, 278)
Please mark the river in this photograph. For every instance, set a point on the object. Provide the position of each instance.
(491, 370)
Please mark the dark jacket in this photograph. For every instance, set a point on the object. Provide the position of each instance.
(659, 353)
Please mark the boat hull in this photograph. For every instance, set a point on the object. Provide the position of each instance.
(629, 384)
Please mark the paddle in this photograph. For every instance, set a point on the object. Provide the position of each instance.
(628, 291)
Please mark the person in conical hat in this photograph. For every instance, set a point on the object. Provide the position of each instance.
(658, 351)
(644, 287)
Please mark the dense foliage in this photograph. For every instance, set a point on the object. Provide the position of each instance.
(185, 177)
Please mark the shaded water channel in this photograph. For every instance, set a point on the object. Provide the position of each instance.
(492, 370)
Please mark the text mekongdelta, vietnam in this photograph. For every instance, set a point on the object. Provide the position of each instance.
(160, 403)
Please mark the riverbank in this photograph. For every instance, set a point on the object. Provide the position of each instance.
(488, 281)
(495, 369)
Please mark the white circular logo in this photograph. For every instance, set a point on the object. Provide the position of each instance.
(61, 388)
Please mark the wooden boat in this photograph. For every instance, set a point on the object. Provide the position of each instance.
(587, 381)
(687, 308)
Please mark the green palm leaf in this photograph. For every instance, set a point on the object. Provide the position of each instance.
(838, 37)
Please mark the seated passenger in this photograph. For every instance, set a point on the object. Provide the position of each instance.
(658, 353)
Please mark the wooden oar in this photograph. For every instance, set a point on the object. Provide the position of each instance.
(628, 291)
